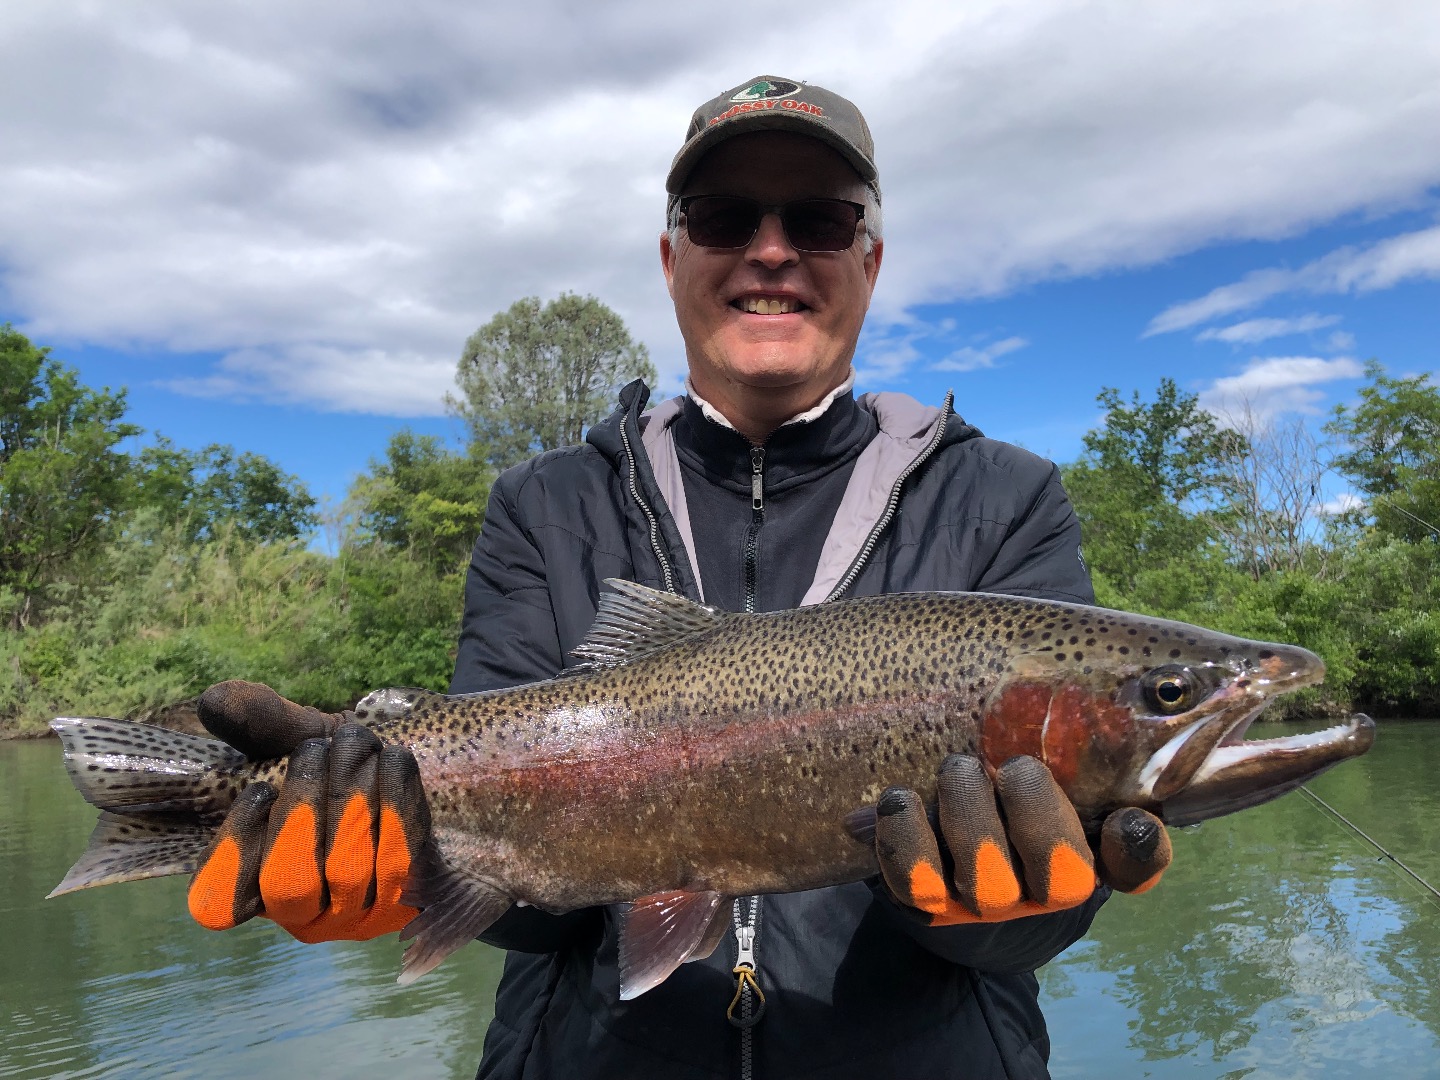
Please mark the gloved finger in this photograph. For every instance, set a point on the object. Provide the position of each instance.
(225, 890)
(1134, 850)
(258, 722)
(404, 832)
(908, 852)
(352, 818)
(1046, 833)
(382, 825)
(984, 874)
(292, 884)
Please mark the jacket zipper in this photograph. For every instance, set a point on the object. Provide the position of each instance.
(757, 518)
(893, 502)
(660, 555)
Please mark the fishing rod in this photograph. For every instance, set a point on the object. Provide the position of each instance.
(1370, 839)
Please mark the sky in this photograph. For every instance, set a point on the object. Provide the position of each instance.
(276, 223)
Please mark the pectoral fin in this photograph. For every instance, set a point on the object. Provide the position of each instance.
(660, 932)
(454, 908)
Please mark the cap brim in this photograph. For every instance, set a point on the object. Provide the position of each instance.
(801, 124)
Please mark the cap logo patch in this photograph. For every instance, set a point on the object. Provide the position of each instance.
(761, 89)
(788, 105)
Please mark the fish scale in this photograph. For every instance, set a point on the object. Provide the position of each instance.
(695, 755)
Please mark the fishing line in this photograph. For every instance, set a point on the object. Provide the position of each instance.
(1375, 843)
(1386, 499)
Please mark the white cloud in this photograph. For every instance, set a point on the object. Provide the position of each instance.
(888, 350)
(331, 196)
(1253, 331)
(1272, 385)
(1346, 270)
(969, 358)
(1341, 504)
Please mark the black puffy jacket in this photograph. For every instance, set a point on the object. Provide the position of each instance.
(853, 988)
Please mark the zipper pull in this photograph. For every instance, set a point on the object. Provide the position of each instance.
(757, 478)
(745, 936)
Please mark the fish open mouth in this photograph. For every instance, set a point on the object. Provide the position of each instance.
(1244, 773)
(1209, 768)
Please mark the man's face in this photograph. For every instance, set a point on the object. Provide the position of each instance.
(804, 351)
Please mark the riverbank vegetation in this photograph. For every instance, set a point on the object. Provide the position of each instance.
(134, 573)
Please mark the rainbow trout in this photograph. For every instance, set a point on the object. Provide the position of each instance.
(696, 755)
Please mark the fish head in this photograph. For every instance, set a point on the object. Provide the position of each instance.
(1131, 711)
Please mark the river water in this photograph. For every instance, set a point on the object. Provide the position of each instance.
(1279, 945)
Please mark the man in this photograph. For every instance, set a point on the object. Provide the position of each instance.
(766, 486)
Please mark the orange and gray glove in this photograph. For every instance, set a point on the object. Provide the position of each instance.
(327, 856)
(1016, 846)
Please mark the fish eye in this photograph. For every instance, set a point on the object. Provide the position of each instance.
(1171, 690)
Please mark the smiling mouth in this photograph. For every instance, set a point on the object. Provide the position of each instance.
(761, 305)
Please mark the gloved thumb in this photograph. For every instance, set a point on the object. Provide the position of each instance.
(1134, 850)
(258, 722)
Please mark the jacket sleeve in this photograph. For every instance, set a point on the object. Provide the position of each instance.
(508, 634)
(1040, 556)
(508, 637)
(1003, 948)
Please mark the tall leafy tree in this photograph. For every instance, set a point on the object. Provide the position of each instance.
(63, 479)
(1150, 482)
(1392, 454)
(536, 376)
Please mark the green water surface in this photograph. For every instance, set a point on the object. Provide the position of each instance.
(1278, 945)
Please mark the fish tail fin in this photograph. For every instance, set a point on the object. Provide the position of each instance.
(139, 769)
(161, 794)
(455, 907)
(131, 847)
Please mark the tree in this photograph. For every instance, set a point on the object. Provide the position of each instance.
(423, 500)
(534, 378)
(214, 488)
(62, 478)
(1393, 455)
(1151, 482)
(1276, 471)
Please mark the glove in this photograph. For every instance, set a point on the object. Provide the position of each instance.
(1040, 832)
(328, 854)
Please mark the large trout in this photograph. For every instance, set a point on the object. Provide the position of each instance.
(695, 754)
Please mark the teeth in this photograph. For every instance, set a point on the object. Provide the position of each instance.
(758, 306)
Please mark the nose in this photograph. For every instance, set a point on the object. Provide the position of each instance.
(770, 247)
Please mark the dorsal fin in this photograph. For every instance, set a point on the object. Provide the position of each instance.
(634, 621)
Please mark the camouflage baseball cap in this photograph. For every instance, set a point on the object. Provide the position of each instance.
(769, 103)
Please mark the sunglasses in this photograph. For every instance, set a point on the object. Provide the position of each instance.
(729, 221)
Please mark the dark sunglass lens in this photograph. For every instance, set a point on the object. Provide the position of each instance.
(821, 224)
(721, 222)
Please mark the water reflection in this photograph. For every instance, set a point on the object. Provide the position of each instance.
(1278, 946)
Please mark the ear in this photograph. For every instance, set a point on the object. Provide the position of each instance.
(667, 263)
(872, 263)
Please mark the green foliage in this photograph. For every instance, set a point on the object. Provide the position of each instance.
(1150, 484)
(1393, 452)
(62, 478)
(534, 378)
(1160, 515)
(423, 500)
(215, 488)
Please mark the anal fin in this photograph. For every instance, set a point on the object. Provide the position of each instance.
(660, 932)
(455, 908)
